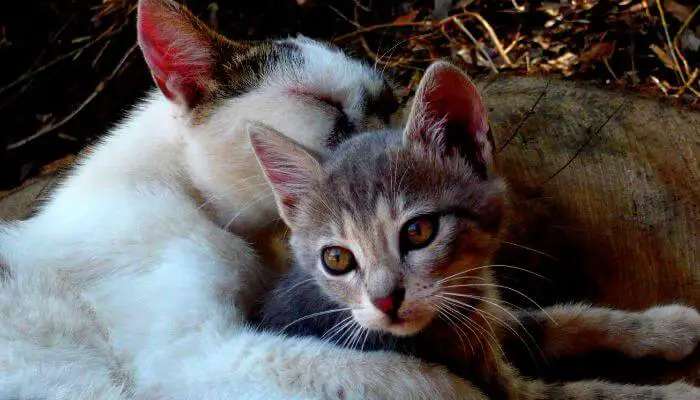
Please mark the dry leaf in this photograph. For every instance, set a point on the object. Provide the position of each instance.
(597, 52)
(410, 17)
(680, 11)
(663, 56)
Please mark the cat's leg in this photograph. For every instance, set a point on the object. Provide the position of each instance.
(250, 365)
(599, 390)
(504, 382)
(671, 332)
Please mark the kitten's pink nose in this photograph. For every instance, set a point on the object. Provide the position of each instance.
(390, 304)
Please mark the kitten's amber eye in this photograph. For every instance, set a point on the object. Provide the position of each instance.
(419, 232)
(338, 260)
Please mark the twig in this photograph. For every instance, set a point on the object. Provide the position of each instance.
(341, 15)
(99, 54)
(514, 42)
(478, 45)
(678, 35)
(688, 84)
(494, 37)
(527, 115)
(381, 26)
(658, 84)
(359, 5)
(670, 43)
(34, 72)
(634, 74)
(517, 6)
(646, 8)
(607, 65)
(100, 86)
(587, 142)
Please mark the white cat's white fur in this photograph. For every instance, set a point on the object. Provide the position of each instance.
(126, 285)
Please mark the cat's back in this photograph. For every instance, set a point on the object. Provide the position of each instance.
(622, 173)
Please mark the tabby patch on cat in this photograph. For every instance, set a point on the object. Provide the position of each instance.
(393, 237)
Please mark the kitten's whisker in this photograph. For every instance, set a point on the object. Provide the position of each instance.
(506, 288)
(467, 319)
(365, 339)
(511, 305)
(394, 177)
(247, 206)
(356, 334)
(454, 276)
(456, 328)
(339, 332)
(358, 338)
(483, 332)
(500, 321)
(351, 334)
(485, 300)
(489, 332)
(473, 328)
(296, 285)
(403, 176)
(392, 49)
(327, 206)
(348, 331)
(314, 315)
(337, 327)
(463, 320)
(531, 249)
(227, 190)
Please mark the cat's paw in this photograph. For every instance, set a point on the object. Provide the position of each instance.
(671, 332)
(682, 391)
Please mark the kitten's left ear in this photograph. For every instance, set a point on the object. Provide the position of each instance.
(289, 168)
(449, 117)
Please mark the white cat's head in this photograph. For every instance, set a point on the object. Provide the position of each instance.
(308, 90)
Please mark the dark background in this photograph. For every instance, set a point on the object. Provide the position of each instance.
(69, 68)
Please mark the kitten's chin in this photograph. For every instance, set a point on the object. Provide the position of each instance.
(405, 327)
(381, 322)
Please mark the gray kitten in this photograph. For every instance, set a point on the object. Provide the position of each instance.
(394, 237)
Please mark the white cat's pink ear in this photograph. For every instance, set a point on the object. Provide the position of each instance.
(179, 49)
(449, 117)
(289, 168)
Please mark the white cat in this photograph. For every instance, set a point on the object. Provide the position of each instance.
(134, 279)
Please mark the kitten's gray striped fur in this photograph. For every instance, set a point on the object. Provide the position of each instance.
(446, 306)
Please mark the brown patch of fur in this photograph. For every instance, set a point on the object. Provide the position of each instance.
(608, 185)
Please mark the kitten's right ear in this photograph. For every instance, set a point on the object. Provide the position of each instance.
(448, 117)
(289, 168)
(180, 50)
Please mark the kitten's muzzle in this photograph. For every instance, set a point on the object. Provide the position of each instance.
(390, 304)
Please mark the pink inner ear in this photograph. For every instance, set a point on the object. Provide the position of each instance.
(452, 96)
(176, 52)
(286, 166)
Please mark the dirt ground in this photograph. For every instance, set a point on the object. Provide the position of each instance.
(71, 67)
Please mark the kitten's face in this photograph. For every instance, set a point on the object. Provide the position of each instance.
(392, 233)
(307, 90)
(398, 226)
